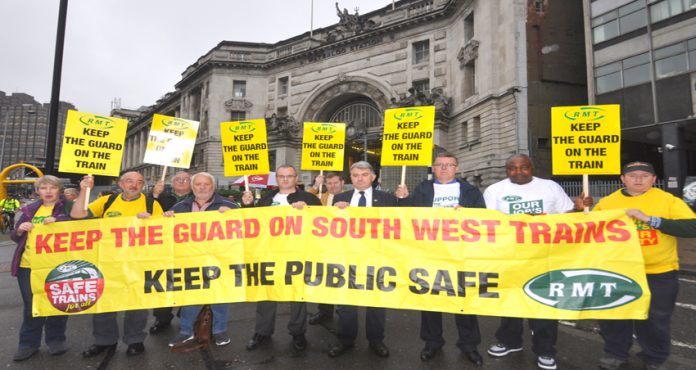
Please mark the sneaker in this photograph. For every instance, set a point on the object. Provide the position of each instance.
(500, 350)
(24, 353)
(181, 338)
(546, 362)
(609, 362)
(221, 339)
(57, 349)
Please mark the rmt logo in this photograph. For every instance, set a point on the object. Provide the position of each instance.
(583, 290)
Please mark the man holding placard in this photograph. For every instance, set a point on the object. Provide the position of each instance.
(131, 202)
(523, 193)
(287, 194)
(446, 191)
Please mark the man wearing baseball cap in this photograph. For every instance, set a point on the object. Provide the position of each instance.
(661, 267)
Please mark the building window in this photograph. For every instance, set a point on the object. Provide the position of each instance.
(421, 52)
(238, 89)
(636, 70)
(469, 85)
(608, 77)
(469, 27)
(283, 85)
(475, 128)
(625, 19)
(422, 86)
(663, 9)
(237, 115)
(464, 139)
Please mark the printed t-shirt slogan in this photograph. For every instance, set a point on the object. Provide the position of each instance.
(323, 145)
(586, 140)
(92, 144)
(408, 136)
(171, 141)
(245, 147)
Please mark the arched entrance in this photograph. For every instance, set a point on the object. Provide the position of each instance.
(366, 119)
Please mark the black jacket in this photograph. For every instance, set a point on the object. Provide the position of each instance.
(379, 198)
(422, 196)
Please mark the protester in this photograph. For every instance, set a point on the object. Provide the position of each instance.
(70, 194)
(51, 207)
(287, 194)
(331, 184)
(661, 266)
(131, 202)
(522, 192)
(446, 191)
(181, 189)
(204, 199)
(9, 206)
(362, 175)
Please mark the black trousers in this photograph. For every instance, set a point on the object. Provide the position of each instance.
(163, 314)
(375, 319)
(467, 327)
(510, 331)
(654, 333)
(326, 309)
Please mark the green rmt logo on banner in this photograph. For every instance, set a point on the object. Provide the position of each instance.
(583, 290)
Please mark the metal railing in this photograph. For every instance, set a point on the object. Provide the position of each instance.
(599, 189)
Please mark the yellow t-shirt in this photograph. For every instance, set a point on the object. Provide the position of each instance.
(659, 250)
(41, 214)
(120, 207)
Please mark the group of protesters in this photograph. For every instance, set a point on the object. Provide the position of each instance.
(650, 207)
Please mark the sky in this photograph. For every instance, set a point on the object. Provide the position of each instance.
(136, 50)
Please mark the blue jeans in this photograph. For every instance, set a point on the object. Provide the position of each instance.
(189, 314)
(654, 334)
(30, 332)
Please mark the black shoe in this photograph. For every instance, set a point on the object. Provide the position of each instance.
(96, 349)
(135, 349)
(299, 342)
(319, 318)
(379, 349)
(256, 341)
(427, 354)
(339, 349)
(474, 357)
(159, 326)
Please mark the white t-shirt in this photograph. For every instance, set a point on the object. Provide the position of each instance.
(280, 200)
(539, 196)
(446, 195)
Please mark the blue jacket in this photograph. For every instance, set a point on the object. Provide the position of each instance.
(422, 196)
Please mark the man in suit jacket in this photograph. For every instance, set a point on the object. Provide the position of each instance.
(363, 195)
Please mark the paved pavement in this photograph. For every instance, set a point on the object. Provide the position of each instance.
(579, 346)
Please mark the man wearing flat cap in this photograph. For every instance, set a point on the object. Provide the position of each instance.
(661, 267)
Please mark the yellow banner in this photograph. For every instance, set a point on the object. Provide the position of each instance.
(408, 136)
(323, 145)
(171, 141)
(245, 147)
(586, 140)
(92, 144)
(473, 261)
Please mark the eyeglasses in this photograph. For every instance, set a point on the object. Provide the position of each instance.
(288, 177)
(445, 165)
(182, 180)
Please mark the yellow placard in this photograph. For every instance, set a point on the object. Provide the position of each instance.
(408, 136)
(586, 140)
(92, 144)
(245, 147)
(171, 141)
(473, 261)
(323, 146)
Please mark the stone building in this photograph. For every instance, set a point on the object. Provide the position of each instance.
(492, 68)
(24, 131)
(642, 54)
